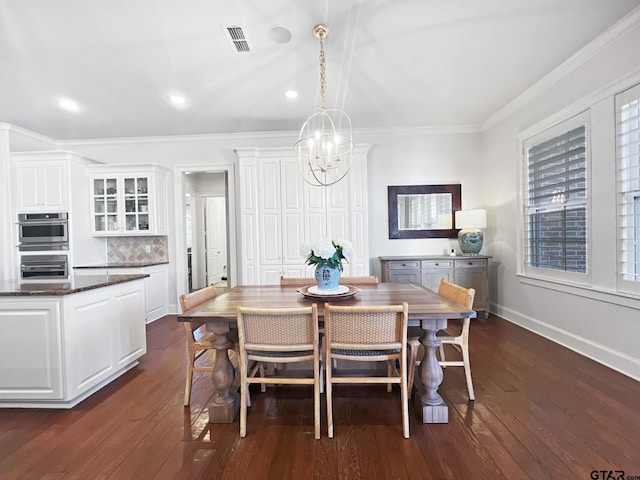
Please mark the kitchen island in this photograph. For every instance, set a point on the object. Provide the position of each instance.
(156, 283)
(61, 341)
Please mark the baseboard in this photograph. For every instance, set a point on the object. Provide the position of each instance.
(623, 363)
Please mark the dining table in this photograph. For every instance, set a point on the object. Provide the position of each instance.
(427, 309)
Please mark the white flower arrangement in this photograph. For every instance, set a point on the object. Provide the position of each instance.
(329, 252)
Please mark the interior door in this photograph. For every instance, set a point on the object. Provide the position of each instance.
(216, 239)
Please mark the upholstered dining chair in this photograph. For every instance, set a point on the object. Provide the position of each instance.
(367, 334)
(464, 297)
(278, 335)
(199, 341)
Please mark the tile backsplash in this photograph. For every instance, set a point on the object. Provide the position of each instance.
(134, 249)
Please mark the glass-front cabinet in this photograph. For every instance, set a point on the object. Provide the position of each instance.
(129, 204)
(136, 204)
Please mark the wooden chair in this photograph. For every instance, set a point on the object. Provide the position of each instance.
(304, 281)
(278, 335)
(462, 296)
(199, 341)
(367, 334)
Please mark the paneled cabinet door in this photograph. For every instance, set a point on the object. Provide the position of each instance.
(31, 363)
(473, 274)
(403, 272)
(435, 270)
(41, 186)
(281, 219)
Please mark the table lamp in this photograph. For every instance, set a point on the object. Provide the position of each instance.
(470, 237)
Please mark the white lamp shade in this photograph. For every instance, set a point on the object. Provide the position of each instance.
(471, 218)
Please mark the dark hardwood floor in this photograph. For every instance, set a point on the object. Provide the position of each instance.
(541, 412)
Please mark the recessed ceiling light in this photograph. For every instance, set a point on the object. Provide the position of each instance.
(68, 104)
(279, 34)
(177, 100)
(290, 94)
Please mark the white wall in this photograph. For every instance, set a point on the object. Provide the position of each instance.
(419, 159)
(595, 321)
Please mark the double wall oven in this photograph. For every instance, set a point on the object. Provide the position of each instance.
(41, 234)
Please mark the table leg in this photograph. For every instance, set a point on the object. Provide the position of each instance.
(225, 404)
(428, 401)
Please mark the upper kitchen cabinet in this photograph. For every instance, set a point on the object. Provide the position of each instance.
(42, 180)
(128, 200)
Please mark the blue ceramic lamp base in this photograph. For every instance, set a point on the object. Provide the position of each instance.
(470, 240)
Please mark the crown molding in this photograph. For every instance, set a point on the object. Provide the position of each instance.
(272, 152)
(286, 136)
(417, 131)
(199, 138)
(9, 127)
(628, 23)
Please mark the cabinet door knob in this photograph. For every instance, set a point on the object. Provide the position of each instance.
(404, 264)
(470, 263)
(437, 264)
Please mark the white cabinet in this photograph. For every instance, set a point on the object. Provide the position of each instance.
(44, 180)
(104, 331)
(156, 285)
(279, 212)
(57, 350)
(469, 272)
(41, 186)
(280, 218)
(30, 349)
(127, 201)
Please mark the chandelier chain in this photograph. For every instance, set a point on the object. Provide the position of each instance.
(323, 72)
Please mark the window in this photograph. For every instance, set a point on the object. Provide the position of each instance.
(556, 203)
(628, 183)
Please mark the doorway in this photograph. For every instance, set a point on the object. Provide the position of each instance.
(195, 184)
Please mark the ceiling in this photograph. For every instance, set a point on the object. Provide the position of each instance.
(400, 63)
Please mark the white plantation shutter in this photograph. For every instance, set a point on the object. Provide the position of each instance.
(556, 205)
(628, 183)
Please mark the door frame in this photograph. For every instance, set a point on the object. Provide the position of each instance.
(179, 173)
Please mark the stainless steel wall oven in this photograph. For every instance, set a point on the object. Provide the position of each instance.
(45, 267)
(43, 231)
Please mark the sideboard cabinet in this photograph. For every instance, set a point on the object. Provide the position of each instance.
(427, 270)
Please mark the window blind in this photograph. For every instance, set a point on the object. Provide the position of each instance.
(556, 206)
(628, 183)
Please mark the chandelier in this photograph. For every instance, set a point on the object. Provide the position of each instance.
(325, 143)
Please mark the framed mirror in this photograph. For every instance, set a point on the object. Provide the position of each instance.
(423, 211)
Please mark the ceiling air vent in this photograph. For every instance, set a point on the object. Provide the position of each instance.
(238, 39)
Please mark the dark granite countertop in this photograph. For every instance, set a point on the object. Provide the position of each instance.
(77, 283)
(122, 265)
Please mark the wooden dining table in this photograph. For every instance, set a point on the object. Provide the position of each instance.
(427, 309)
